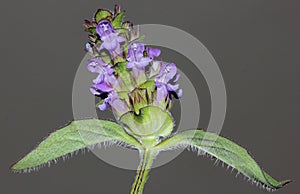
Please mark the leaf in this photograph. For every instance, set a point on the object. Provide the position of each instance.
(117, 21)
(122, 31)
(91, 30)
(76, 136)
(104, 55)
(119, 59)
(127, 25)
(93, 38)
(224, 150)
(102, 14)
(88, 24)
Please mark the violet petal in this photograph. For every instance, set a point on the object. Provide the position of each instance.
(103, 87)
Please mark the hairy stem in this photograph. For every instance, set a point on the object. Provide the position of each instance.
(143, 171)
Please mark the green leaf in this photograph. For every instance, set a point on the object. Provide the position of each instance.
(104, 55)
(127, 25)
(102, 14)
(76, 136)
(91, 30)
(224, 150)
(122, 31)
(119, 59)
(117, 21)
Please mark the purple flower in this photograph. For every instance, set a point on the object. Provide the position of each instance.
(110, 38)
(118, 105)
(107, 100)
(152, 52)
(106, 80)
(105, 86)
(104, 70)
(105, 28)
(136, 57)
(167, 73)
(97, 65)
(137, 61)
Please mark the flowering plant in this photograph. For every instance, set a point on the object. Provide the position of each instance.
(140, 91)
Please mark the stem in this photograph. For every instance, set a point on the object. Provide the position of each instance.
(143, 171)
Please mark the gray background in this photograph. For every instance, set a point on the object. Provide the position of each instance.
(256, 44)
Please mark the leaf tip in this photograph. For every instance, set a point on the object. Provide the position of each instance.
(285, 182)
(14, 168)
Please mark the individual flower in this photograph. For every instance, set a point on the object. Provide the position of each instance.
(89, 48)
(105, 86)
(118, 105)
(137, 61)
(109, 37)
(168, 73)
(97, 65)
(135, 56)
(104, 70)
(105, 83)
(105, 28)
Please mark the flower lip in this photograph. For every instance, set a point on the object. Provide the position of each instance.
(115, 102)
(109, 37)
(135, 56)
(96, 65)
(135, 51)
(104, 87)
(105, 27)
(168, 73)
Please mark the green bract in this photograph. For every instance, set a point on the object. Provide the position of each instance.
(151, 123)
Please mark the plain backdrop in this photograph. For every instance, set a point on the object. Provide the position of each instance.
(255, 43)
